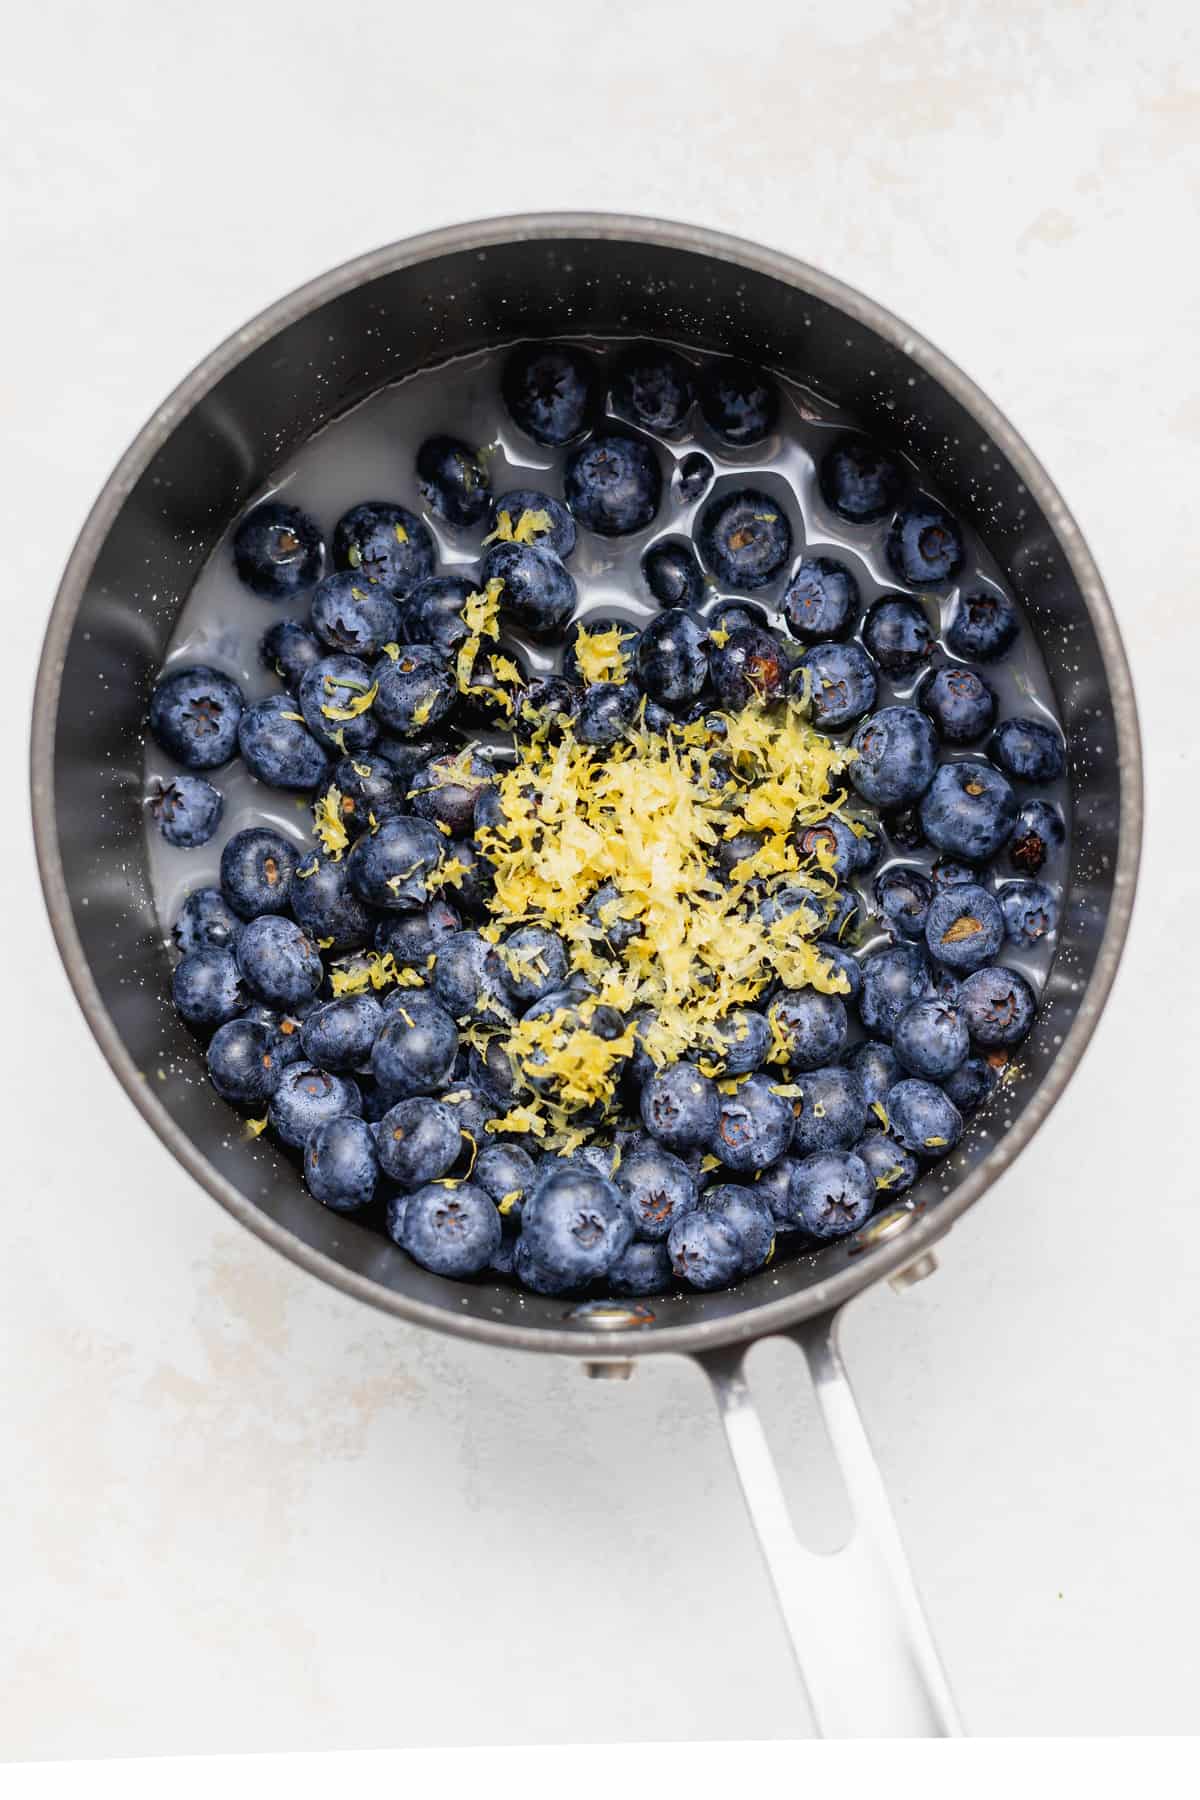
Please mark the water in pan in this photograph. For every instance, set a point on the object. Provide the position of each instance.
(370, 454)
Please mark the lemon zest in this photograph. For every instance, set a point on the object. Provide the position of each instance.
(359, 705)
(328, 826)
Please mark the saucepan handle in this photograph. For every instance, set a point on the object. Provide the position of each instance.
(860, 1637)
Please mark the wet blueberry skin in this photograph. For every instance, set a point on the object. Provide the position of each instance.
(452, 1231)
(258, 867)
(960, 703)
(693, 475)
(1036, 834)
(414, 937)
(898, 635)
(971, 1084)
(415, 1050)
(207, 990)
(679, 1107)
(830, 1193)
(897, 756)
(740, 1042)
(353, 617)
(892, 980)
(332, 688)
(194, 714)
(641, 1270)
(1030, 910)
(658, 1187)
(750, 1215)
(924, 546)
(452, 480)
(754, 1126)
(814, 1026)
(613, 484)
(186, 811)
(290, 649)
(278, 963)
(706, 1250)
(504, 1171)
(740, 404)
(877, 1068)
(748, 669)
(534, 961)
(834, 838)
(891, 1167)
(340, 1164)
(902, 899)
(550, 391)
(278, 748)
(983, 627)
(415, 690)
(325, 905)
(385, 545)
(205, 921)
(606, 712)
(922, 1118)
(745, 539)
(539, 591)
(448, 788)
(965, 927)
(389, 868)
(831, 1111)
(306, 1098)
(968, 811)
(859, 480)
(1028, 750)
(419, 1140)
(998, 1005)
(559, 536)
(672, 574)
(671, 657)
(930, 1039)
(369, 784)
(278, 551)
(242, 1065)
(653, 387)
(432, 613)
(821, 600)
(339, 1035)
(574, 1225)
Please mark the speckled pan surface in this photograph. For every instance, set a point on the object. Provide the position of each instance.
(305, 362)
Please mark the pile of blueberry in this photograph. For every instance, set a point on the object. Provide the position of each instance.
(338, 992)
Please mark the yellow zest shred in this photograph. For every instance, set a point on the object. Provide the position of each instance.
(599, 656)
(303, 874)
(328, 826)
(709, 1163)
(362, 770)
(392, 650)
(533, 523)
(298, 717)
(507, 1201)
(360, 704)
(719, 636)
(401, 535)
(880, 1114)
(325, 943)
(254, 1128)
(372, 971)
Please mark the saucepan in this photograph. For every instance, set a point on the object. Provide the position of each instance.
(854, 1617)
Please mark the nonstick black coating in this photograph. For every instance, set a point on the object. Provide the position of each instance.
(309, 359)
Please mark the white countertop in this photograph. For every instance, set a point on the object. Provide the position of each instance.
(242, 1512)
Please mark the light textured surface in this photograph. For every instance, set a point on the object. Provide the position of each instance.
(241, 1512)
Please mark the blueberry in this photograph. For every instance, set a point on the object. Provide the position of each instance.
(965, 927)
(847, 963)
(811, 1027)
(744, 539)
(205, 922)
(242, 1065)
(1030, 911)
(773, 1187)
(548, 702)
(680, 1107)
(339, 1036)
(277, 961)
(451, 481)
(307, 1098)
(831, 1193)
(187, 810)
(892, 980)
(706, 1250)
(278, 748)
(748, 668)
(693, 475)
(740, 404)
(414, 1053)
(284, 1028)
(606, 711)
(207, 989)
(505, 1173)
(419, 1141)
(472, 876)
(831, 1111)
(277, 551)
(930, 1039)
(1037, 833)
(904, 830)
(897, 756)
(613, 484)
(369, 784)
(604, 908)
(960, 703)
(734, 615)
(337, 704)
(754, 1126)
(845, 918)
(539, 592)
(898, 635)
(1028, 750)
(470, 980)
(902, 898)
(835, 845)
(433, 613)
(451, 1230)
(640, 1270)
(740, 1041)
(658, 1188)
(599, 662)
(340, 1164)
(924, 546)
(948, 872)
(390, 868)
(672, 574)
(289, 649)
(326, 906)
(414, 937)
(194, 715)
(534, 961)
(524, 504)
(971, 1084)
(672, 663)
(447, 789)
(821, 600)
(385, 545)
(353, 617)
(258, 867)
(750, 1215)
(998, 1005)
(415, 690)
(922, 1119)
(549, 390)
(574, 1225)
(653, 387)
(877, 1068)
(969, 810)
(891, 1167)
(471, 1107)
(860, 481)
(839, 680)
(805, 914)
(983, 627)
